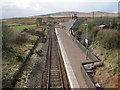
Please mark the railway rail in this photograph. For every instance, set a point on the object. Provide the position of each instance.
(54, 74)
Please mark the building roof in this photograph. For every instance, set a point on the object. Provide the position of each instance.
(78, 22)
(102, 26)
(74, 23)
(69, 23)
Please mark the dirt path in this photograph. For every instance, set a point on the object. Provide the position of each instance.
(35, 77)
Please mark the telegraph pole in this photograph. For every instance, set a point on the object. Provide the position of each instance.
(86, 41)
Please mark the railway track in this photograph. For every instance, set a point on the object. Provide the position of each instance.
(54, 75)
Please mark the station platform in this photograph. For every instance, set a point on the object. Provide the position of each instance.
(72, 56)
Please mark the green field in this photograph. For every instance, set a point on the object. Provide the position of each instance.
(17, 19)
(18, 29)
(10, 24)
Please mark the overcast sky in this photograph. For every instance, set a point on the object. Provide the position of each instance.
(20, 8)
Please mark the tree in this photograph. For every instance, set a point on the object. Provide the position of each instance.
(75, 16)
(7, 36)
(72, 16)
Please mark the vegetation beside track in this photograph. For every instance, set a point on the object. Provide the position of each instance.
(18, 42)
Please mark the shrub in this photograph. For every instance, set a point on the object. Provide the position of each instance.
(25, 29)
(95, 30)
(32, 31)
(78, 35)
(118, 27)
(91, 23)
(21, 39)
(39, 52)
(7, 36)
(43, 40)
(40, 33)
(109, 38)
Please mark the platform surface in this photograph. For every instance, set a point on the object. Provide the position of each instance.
(75, 55)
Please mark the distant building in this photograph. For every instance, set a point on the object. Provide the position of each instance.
(103, 26)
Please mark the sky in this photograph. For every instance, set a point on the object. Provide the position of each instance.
(23, 8)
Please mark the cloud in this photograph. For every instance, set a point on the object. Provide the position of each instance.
(16, 8)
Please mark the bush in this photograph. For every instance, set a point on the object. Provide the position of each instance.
(118, 27)
(7, 36)
(43, 40)
(78, 35)
(40, 33)
(92, 23)
(95, 30)
(25, 29)
(21, 39)
(109, 38)
(32, 31)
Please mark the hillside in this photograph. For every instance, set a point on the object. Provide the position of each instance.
(80, 14)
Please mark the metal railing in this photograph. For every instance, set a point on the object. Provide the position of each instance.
(90, 54)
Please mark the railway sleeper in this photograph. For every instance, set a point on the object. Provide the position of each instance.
(54, 70)
(55, 73)
(56, 87)
(55, 84)
(54, 66)
(56, 79)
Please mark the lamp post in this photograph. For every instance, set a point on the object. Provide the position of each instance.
(86, 40)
